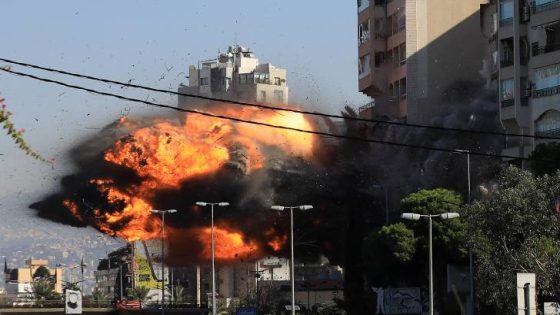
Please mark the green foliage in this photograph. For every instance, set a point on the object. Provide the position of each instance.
(139, 293)
(388, 248)
(516, 229)
(17, 135)
(449, 236)
(41, 273)
(43, 289)
(178, 294)
(545, 151)
(98, 295)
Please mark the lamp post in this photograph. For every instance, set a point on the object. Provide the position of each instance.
(471, 275)
(416, 217)
(212, 204)
(292, 267)
(162, 213)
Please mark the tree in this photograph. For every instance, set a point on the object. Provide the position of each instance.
(139, 293)
(43, 289)
(397, 254)
(178, 294)
(545, 151)
(41, 273)
(516, 229)
(98, 296)
(388, 249)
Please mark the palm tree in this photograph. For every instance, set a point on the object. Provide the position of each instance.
(178, 294)
(98, 296)
(139, 293)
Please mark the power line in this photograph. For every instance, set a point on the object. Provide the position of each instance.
(319, 133)
(268, 107)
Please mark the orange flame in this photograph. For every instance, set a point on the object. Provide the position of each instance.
(228, 245)
(166, 154)
(73, 207)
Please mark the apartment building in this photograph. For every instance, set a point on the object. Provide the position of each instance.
(236, 74)
(527, 56)
(411, 52)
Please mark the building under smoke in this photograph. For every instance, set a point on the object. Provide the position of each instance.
(237, 75)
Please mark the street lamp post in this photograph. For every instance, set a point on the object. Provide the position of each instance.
(162, 213)
(471, 271)
(416, 217)
(292, 267)
(212, 204)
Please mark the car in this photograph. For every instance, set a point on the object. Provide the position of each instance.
(128, 305)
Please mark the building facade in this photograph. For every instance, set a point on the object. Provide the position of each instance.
(19, 281)
(412, 51)
(236, 75)
(527, 56)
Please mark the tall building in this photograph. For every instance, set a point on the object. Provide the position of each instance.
(236, 74)
(527, 56)
(19, 281)
(411, 52)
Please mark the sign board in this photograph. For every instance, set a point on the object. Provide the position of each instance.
(398, 301)
(73, 302)
(289, 307)
(270, 261)
(246, 311)
(551, 308)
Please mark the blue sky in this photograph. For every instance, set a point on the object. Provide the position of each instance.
(139, 40)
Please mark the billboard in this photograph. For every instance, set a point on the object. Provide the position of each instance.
(73, 302)
(148, 267)
(398, 300)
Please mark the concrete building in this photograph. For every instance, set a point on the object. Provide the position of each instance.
(105, 281)
(19, 281)
(411, 52)
(525, 40)
(236, 75)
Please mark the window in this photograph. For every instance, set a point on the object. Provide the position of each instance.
(278, 96)
(548, 124)
(277, 81)
(395, 24)
(263, 96)
(380, 28)
(363, 32)
(243, 79)
(363, 66)
(204, 81)
(402, 88)
(402, 23)
(506, 57)
(506, 12)
(362, 5)
(402, 53)
(379, 59)
(547, 80)
(543, 5)
(506, 91)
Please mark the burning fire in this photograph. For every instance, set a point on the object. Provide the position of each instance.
(166, 154)
(228, 245)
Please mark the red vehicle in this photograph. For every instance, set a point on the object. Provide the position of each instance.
(128, 305)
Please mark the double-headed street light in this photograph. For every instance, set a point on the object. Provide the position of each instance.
(212, 204)
(162, 213)
(416, 217)
(292, 267)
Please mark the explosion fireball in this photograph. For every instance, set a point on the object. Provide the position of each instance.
(164, 157)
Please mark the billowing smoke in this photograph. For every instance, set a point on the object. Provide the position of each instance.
(139, 164)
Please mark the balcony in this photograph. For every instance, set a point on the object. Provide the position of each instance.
(553, 90)
(539, 50)
(543, 6)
